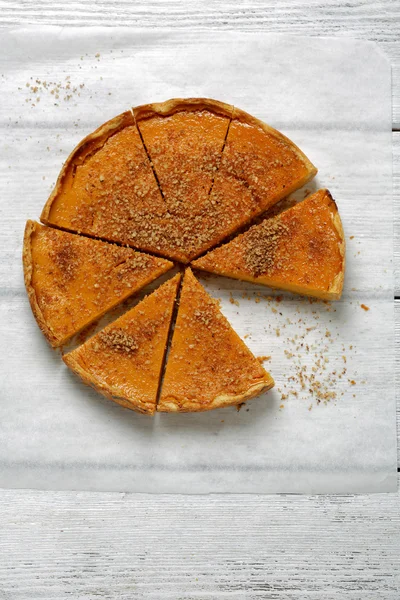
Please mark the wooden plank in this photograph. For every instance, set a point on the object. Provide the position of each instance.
(128, 546)
(397, 372)
(376, 21)
(396, 210)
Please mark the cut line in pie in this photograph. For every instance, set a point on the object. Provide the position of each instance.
(208, 365)
(73, 280)
(300, 250)
(175, 178)
(124, 361)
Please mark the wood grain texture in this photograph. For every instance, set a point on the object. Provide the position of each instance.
(378, 21)
(128, 546)
(396, 211)
(89, 546)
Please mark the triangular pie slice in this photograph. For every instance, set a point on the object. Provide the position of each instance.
(259, 167)
(184, 140)
(73, 280)
(208, 365)
(124, 361)
(107, 189)
(301, 250)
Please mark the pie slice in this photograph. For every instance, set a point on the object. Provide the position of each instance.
(184, 140)
(259, 167)
(301, 250)
(124, 361)
(107, 189)
(208, 366)
(73, 280)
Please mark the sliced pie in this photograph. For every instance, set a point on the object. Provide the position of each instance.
(301, 250)
(208, 365)
(154, 178)
(72, 280)
(124, 361)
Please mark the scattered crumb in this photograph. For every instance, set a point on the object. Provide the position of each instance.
(233, 301)
(352, 237)
(364, 307)
(63, 90)
(262, 359)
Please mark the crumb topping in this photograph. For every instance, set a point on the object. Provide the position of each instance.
(262, 242)
(118, 340)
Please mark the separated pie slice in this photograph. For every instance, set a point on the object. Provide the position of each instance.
(208, 364)
(107, 189)
(259, 167)
(184, 140)
(73, 280)
(301, 250)
(124, 361)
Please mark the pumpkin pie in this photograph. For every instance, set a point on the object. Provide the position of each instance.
(124, 361)
(73, 280)
(208, 365)
(301, 250)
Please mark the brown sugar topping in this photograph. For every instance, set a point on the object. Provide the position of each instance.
(65, 257)
(261, 244)
(119, 340)
(129, 339)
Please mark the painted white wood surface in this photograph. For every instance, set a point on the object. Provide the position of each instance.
(134, 546)
(90, 546)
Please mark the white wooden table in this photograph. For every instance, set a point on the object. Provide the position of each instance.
(56, 545)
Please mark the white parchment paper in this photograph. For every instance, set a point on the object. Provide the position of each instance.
(332, 97)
